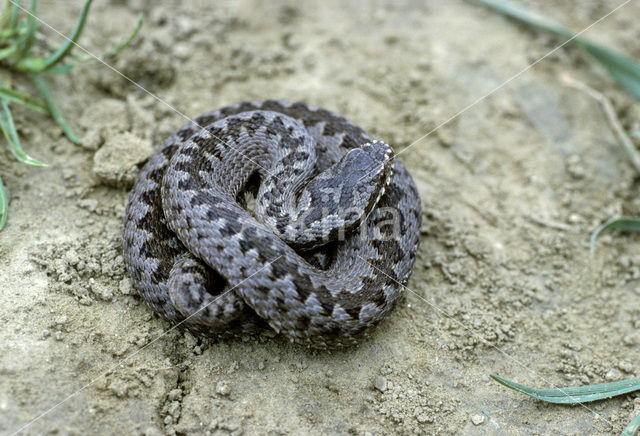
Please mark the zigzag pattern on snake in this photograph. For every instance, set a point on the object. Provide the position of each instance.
(321, 256)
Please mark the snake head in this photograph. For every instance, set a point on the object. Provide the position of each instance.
(370, 169)
(341, 197)
(353, 186)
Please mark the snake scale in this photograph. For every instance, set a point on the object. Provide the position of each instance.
(321, 255)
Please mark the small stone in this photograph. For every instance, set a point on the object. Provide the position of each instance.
(444, 137)
(222, 389)
(116, 162)
(174, 394)
(103, 292)
(380, 383)
(92, 139)
(612, 374)
(625, 366)
(423, 418)
(125, 287)
(174, 410)
(477, 419)
(574, 218)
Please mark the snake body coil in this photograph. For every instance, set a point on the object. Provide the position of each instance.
(320, 257)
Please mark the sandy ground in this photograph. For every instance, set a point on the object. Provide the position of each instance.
(504, 282)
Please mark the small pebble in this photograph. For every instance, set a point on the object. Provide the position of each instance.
(574, 218)
(477, 419)
(222, 389)
(174, 394)
(612, 374)
(174, 409)
(116, 162)
(625, 366)
(444, 137)
(125, 287)
(424, 418)
(380, 383)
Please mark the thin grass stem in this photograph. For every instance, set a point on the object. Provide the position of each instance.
(53, 108)
(11, 135)
(38, 65)
(4, 205)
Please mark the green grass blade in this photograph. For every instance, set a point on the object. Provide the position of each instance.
(622, 69)
(53, 108)
(625, 71)
(65, 48)
(4, 205)
(520, 13)
(15, 15)
(61, 68)
(574, 395)
(23, 99)
(10, 21)
(621, 223)
(116, 49)
(6, 19)
(8, 51)
(26, 40)
(632, 428)
(10, 133)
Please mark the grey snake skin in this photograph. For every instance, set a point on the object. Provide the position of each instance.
(321, 255)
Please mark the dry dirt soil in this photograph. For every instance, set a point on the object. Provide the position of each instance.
(504, 282)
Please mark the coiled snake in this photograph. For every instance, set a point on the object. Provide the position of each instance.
(320, 257)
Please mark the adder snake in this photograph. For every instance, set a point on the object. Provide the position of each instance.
(320, 257)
